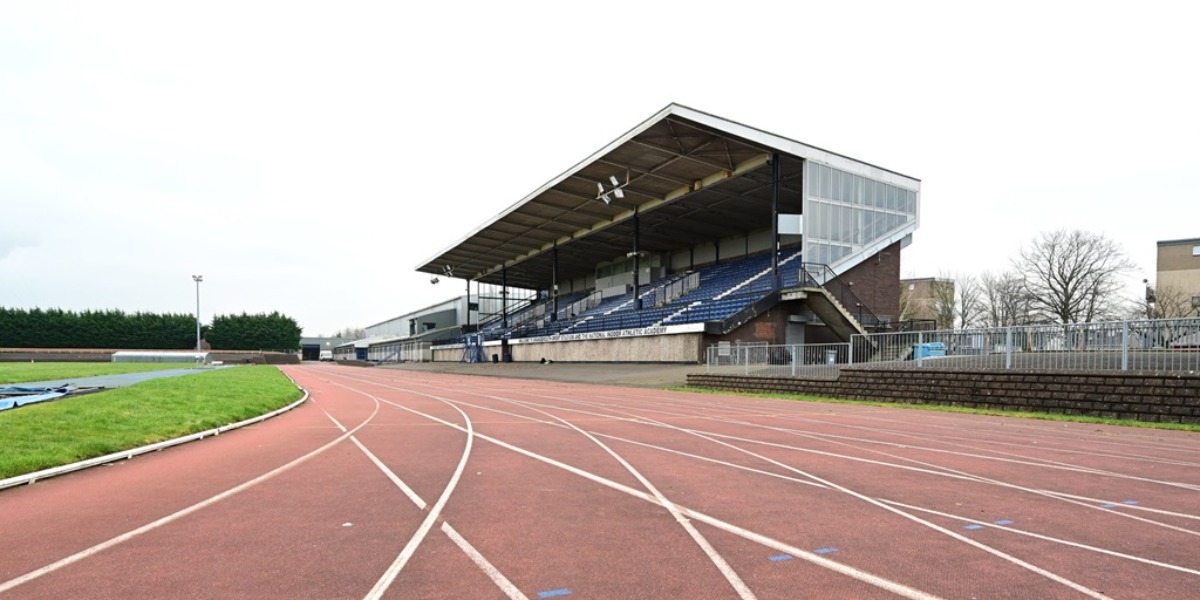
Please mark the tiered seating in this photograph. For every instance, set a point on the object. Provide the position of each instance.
(724, 290)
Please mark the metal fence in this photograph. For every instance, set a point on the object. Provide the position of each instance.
(810, 361)
(1148, 345)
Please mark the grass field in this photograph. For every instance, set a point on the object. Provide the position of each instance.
(55, 433)
(49, 371)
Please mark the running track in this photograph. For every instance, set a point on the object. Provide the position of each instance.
(402, 484)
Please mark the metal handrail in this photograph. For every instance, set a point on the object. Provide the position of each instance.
(831, 282)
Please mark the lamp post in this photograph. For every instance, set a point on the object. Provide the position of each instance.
(197, 279)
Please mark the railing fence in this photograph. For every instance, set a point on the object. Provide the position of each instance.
(1145, 345)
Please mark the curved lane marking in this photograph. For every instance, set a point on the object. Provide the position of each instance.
(124, 537)
(860, 575)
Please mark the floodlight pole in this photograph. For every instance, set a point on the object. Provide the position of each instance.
(197, 279)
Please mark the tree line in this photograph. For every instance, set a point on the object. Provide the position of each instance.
(1062, 276)
(115, 329)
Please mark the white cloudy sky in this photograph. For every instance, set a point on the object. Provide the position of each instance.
(305, 157)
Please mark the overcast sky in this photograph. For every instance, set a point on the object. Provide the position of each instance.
(306, 157)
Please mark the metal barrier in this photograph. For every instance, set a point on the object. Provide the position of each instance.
(1148, 345)
(808, 361)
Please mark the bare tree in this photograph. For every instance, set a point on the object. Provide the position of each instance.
(1004, 300)
(354, 333)
(1073, 276)
(907, 305)
(1165, 302)
(941, 297)
(970, 300)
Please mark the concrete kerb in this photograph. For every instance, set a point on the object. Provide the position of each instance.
(30, 478)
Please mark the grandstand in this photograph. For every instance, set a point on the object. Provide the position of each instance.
(687, 231)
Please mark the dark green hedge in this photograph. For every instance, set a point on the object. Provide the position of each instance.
(254, 332)
(56, 328)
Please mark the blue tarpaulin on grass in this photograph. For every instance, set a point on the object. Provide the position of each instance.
(19, 395)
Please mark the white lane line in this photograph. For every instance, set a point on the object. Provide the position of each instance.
(102, 546)
(911, 517)
(476, 557)
(927, 510)
(858, 574)
(1148, 561)
(922, 509)
(940, 471)
(1017, 458)
(412, 495)
(414, 542)
(719, 561)
(490, 570)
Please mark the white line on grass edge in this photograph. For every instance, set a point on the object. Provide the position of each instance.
(29, 478)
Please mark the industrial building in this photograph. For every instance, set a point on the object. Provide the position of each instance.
(1178, 277)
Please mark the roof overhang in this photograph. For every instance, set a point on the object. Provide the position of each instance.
(690, 177)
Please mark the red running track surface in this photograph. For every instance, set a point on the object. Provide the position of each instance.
(403, 484)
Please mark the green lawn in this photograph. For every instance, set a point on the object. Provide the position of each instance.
(40, 436)
(49, 371)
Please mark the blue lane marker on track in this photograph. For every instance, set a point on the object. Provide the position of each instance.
(1130, 502)
(1004, 522)
(973, 527)
(780, 557)
(825, 550)
(554, 593)
(1108, 505)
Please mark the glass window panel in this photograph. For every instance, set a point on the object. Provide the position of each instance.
(912, 202)
(826, 221)
(859, 184)
(837, 185)
(811, 178)
(826, 181)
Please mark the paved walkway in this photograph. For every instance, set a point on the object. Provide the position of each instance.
(114, 381)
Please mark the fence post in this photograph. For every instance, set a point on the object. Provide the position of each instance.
(1008, 347)
(850, 351)
(917, 350)
(746, 362)
(1124, 345)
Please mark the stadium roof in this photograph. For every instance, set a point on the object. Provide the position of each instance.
(692, 177)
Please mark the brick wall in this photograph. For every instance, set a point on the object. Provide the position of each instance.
(1142, 396)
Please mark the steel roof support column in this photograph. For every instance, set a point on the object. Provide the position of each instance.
(776, 175)
(554, 284)
(468, 307)
(504, 297)
(637, 262)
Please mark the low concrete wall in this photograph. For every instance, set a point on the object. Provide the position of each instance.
(1162, 397)
(676, 348)
(679, 348)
